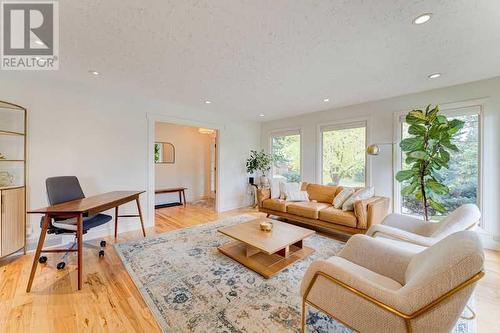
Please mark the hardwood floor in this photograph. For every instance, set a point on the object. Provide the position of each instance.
(109, 300)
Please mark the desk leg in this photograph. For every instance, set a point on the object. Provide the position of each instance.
(116, 221)
(140, 216)
(184, 196)
(41, 240)
(180, 196)
(79, 233)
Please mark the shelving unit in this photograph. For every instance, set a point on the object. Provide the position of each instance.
(13, 119)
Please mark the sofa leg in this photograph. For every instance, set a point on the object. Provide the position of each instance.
(268, 215)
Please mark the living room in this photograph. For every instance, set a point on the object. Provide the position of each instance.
(351, 171)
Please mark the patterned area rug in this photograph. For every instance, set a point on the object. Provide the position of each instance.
(191, 287)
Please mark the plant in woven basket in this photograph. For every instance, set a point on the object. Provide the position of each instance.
(427, 150)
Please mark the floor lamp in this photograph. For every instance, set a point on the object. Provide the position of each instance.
(373, 150)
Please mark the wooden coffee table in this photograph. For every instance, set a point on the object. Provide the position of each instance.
(266, 253)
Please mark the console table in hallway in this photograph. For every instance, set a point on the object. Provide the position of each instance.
(180, 190)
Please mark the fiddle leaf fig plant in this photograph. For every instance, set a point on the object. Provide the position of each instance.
(427, 150)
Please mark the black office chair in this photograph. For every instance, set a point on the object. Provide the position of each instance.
(64, 189)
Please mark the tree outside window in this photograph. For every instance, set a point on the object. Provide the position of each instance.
(344, 157)
(286, 153)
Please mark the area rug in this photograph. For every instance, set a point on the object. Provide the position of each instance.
(191, 287)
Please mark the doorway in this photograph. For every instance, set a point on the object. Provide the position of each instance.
(185, 168)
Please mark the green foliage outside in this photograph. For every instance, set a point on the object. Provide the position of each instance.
(286, 157)
(344, 157)
(428, 150)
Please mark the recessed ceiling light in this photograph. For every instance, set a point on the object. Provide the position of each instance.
(434, 75)
(421, 19)
(261, 115)
(208, 102)
(326, 100)
(39, 42)
(94, 73)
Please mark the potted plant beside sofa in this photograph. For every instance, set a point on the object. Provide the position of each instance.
(259, 161)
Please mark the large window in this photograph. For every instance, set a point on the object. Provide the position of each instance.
(285, 148)
(343, 155)
(463, 175)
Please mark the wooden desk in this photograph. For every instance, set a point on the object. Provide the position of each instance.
(181, 190)
(76, 208)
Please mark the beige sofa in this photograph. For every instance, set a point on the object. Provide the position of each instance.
(319, 212)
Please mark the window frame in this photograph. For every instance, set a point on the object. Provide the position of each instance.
(449, 109)
(340, 125)
(287, 132)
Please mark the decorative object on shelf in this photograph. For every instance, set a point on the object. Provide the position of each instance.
(427, 150)
(164, 153)
(6, 179)
(266, 226)
(260, 161)
(12, 179)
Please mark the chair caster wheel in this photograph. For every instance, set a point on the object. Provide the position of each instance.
(103, 243)
(101, 253)
(42, 259)
(61, 265)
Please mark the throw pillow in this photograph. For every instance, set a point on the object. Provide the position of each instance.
(293, 192)
(340, 198)
(362, 194)
(275, 188)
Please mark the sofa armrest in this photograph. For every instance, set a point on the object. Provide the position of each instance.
(263, 194)
(391, 261)
(370, 211)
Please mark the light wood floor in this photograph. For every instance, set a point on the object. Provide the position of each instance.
(110, 302)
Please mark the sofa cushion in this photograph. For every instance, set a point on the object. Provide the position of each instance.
(306, 209)
(276, 204)
(323, 193)
(338, 216)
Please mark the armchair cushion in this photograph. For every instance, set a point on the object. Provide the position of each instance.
(391, 261)
(399, 234)
(410, 224)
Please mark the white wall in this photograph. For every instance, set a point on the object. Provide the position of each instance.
(192, 162)
(380, 115)
(102, 137)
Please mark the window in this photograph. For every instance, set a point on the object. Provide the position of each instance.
(285, 148)
(463, 175)
(343, 157)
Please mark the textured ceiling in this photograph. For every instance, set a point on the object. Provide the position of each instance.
(276, 57)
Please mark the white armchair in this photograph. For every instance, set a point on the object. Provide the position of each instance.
(417, 234)
(372, 286)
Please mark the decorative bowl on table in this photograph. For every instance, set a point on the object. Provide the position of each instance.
(266, 226)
